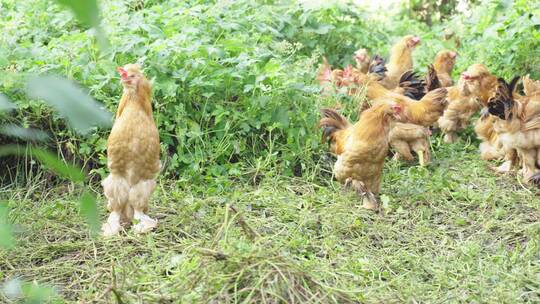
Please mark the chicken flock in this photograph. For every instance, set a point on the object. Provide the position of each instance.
(402, 109)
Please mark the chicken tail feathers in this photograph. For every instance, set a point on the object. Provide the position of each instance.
(332, 122)
(435, 96)
(432, 81)
(535, 179)
(413, 86)
(513, 84)
(502, 102)
(378, 66)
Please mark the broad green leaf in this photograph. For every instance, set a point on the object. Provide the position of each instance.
(321, 30)
(234, 45)
(13, 288)
(6, 231)
(281, 116)
(48, 159)
(272, 67)
(5, 104)
(23, 133)
(28, 293)
(89, 211)
(81, 110)
(87, 11)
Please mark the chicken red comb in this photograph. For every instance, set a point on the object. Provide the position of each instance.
(465, 76)
(347, 72)
(327, 74)
(453, 54)
(396, 108)
(416, 39)
(121, 71)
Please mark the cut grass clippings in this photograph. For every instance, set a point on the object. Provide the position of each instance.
(452, 232)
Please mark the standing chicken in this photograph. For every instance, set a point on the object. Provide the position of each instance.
(132, 156)
(490, 147)
(531, 87)
(518, 126)
(361, 148)
(361, 57)
(406, 137)
(330, 79)
(466, 98)
(400, 60)
(444, 64)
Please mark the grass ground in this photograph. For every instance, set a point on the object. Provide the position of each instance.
(453, 232)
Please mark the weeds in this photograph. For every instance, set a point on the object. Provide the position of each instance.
(247, 209)
(452, 232)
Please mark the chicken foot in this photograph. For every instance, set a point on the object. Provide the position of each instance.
(421, 148)
(116, 190)
(369, 201)
(528, 158)
(421, 159)
(139, 196)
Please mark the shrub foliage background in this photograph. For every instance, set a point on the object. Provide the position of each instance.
(233, 81)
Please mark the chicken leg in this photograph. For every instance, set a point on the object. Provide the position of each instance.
(139, 196)
(116, 190)
(369, 201)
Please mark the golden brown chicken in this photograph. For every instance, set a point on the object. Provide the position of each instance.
(531, 88)
(361, 57)
(361, 148)
(518, 126)
(407, 137)
(400, 60)
(418, 114)
(444, 64)
(326, 77)
(490, 147)
(473, 90)
(343, 81)
(331, 79)
(132, 156)
(424, 112)
(480, 82)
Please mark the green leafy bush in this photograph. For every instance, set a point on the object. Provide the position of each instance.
(233, 80)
